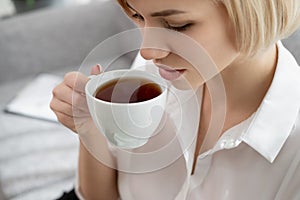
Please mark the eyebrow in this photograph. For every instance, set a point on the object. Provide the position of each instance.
(163, 13)
(166, 13)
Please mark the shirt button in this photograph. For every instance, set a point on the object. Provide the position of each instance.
(228, 144)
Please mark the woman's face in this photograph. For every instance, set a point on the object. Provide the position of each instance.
(205, 21)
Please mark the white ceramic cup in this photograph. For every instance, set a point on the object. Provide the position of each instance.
(126, 125)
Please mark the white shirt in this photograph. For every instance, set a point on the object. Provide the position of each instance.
(260, 160)
(256, 159)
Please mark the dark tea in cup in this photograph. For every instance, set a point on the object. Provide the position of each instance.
(128, 90)
(127, 106)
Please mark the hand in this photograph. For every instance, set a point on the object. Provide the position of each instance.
(69, 101)
(96, 168)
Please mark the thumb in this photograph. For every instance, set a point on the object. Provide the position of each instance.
(96, 70)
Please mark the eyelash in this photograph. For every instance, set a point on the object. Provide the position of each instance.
(167, 25)
(137, 16)
(179, 28)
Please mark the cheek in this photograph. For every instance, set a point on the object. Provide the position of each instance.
(218, 40)
(223, 54)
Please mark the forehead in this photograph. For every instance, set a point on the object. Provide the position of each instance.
(157, 5)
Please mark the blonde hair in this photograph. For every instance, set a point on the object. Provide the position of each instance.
(259, 23)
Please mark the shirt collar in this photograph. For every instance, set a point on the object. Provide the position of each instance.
(275, 117)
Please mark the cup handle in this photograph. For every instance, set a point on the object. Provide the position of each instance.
(91, 76)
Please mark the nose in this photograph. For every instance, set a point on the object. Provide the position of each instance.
(153, 45)
(152, 53)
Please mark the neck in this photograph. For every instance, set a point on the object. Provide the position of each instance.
(247, 80)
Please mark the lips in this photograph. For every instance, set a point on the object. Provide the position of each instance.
(169, 73)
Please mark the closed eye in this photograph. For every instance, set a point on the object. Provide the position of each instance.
(137, 16)
(179, 28)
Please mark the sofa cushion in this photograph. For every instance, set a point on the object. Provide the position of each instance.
(49, 39)
(293, 44)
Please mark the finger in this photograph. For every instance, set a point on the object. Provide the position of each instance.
(62, 107)
(66, 121)
(64, 93)
(76, 81)
(96, 69)
(59, 106)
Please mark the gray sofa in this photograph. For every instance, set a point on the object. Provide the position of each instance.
(38, 158)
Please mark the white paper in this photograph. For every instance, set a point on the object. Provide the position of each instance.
(34, 99)
(7, 8)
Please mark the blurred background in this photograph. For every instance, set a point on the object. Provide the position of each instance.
(9, 8)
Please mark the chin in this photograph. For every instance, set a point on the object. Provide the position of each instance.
(183, 84)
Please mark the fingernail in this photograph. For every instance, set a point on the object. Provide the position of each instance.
(99, 67)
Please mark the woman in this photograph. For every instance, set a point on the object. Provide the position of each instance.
(256, 155)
